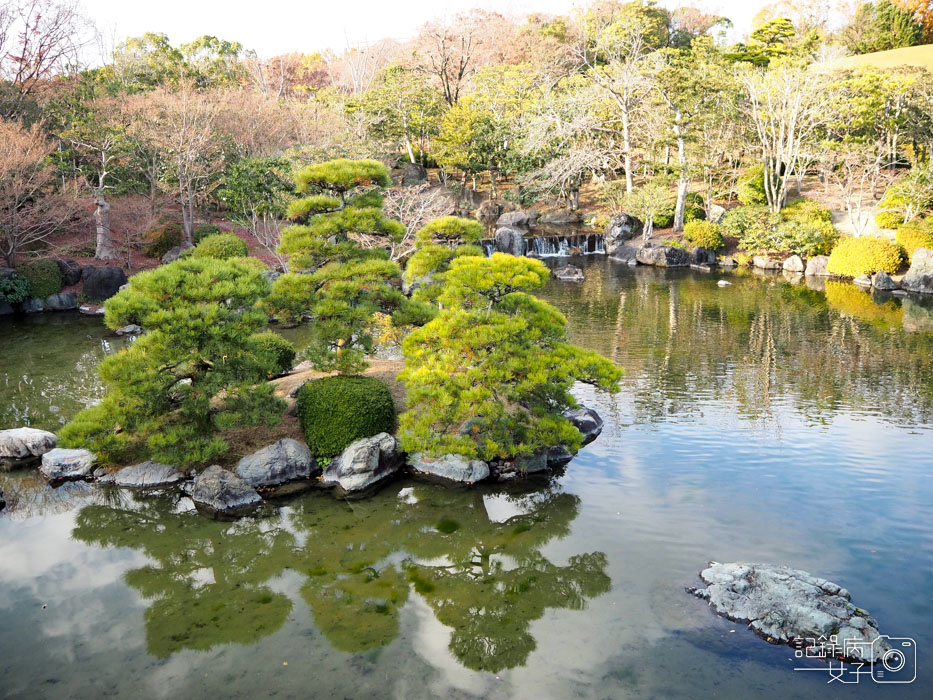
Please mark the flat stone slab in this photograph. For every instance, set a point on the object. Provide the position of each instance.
(25, 443)
(450, 467)
(284, 461)
(789, 606)
(147, 475)
(61, 464)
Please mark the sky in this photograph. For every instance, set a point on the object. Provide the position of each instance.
(273, 27)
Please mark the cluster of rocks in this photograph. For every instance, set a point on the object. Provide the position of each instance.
(789, 606)
(100, 283)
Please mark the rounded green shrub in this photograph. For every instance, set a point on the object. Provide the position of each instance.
(221, 246)
(163, 238)
(202, 231)
(44, 277)
(864, 255)
(694, 212)
(275, 353)
(664, 220)
(806, 237)
(808, 210)
(336, 411)
(14, 289)
(915, 234)
(889, 219)
(703, 233)
(751, 188)
(450, 229)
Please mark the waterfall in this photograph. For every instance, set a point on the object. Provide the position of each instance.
(556, 246)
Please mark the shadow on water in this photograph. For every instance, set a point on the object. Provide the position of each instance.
(487, 579)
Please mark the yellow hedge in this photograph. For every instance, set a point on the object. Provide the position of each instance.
(916, 234)
(703, 233)
(864, 255)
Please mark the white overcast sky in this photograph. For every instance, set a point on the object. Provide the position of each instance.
(273, 27)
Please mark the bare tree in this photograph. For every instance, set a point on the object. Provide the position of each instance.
(414, 206)
(446, 51)
(856, 171)
(28, 212)
(38, 39)
(354, 70)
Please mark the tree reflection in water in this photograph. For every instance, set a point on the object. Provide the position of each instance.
(487, 580)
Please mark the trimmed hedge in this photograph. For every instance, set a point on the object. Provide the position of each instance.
(221, 246)
(864, 255)
(163, 238)
(336, 411)
(703, 233)
(276, 353)
(916, 234)
(44, 277)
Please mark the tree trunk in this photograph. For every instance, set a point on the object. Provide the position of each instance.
(105, 249)
(627, 146)
(680, 209)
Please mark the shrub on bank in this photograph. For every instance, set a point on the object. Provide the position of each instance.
(336, 411)
(804, 227)
(864, 255)
(44, 277)
(703, 233)
(450, 229)
(889, 219)
(14, 289)
(163, 238)
(276, 353)
(751, 188)
(202, 231)
(221, 246)
(915, 234)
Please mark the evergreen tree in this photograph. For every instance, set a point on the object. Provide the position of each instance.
(195, 371)
(491, 374)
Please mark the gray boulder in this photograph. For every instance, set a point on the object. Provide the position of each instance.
(816, 266)
(101, 283)
(450, 467)
(364, 465)
(703, 256)
(568, 273)
(131, 329)
(882, 282)
(560, 217)
(71, 271)
(862, 281)
(172, 254)
(627, 254)
(559, 456)
(63, 301)
(147, 475)
(21, 447)
(60, 464)
(716, 214)
(510, 240)
(533, 463)
(763, 262)
(516, 218)
(217, 491)
(621, 228)
(32, 306)
(789, 606)
(488, 212)
(587, 421)
(794, 264)
(663, 256)
(413, 174)
(919, 277)
(284, 461)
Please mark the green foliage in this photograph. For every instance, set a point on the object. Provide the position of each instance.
(803, 228)
(490, 374)
(864, 255)
(276, 353)
(703, 233)
(881, 26)
(202, 231)
(676, 244)
(907, 197)
(44, 277)
(14, 289)
(254, 188)
(889, 219)
(342, 175)
(751, 220)
(450, 229)
(693, 212)
(916, 234)
(336, 411)
(221, 246)
(429, 263)
(163, 238)
(653, 203)
(805, 209)
(194, 373)
(751, 188)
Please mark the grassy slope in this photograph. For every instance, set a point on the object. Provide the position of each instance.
(920, 56)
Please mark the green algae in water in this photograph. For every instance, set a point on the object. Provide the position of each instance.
(447, 526)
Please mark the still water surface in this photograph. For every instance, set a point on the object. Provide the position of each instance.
(759, 422)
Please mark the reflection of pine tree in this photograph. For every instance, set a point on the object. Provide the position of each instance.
(207, 577)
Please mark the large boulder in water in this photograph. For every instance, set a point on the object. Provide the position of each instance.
(790, 606)
(621, 228)
(919, 277)
(568, 273)
(101, 283)
(882, 281)
(63, 301)
(20, 447)
(703, 256)
(62, 465)
(450, 467)
(146, 475)
(364, 465)
(587, 421)
(663, 256)
(510, 240)
(627, 254)
(217, 491)
(816, 266)
(284, 461)
(794, 264)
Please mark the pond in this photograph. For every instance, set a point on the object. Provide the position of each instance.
(762, 421)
